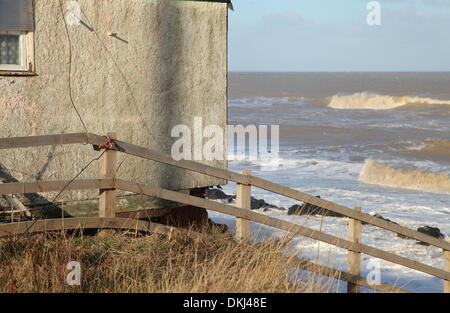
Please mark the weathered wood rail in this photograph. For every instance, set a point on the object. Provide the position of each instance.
(108, 184)
(42, 226)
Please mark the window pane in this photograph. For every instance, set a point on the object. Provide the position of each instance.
(10, 49)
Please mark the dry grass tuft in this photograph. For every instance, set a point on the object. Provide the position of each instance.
(152, 264)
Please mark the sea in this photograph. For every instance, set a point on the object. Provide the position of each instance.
(379, 141)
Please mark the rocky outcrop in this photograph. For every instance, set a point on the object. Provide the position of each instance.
(187, 216)
(217, 194)
(184, 216)
(256, 204)
(387, 220)
(310, 209)
(430, 231)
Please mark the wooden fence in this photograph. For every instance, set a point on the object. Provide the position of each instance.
(108, 183)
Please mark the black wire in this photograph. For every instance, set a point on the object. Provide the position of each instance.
(78, 175)
(59, 194)
(70, 67)
(120, 165)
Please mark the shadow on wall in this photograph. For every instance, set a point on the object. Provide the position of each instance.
(33, 200)
(169, 51)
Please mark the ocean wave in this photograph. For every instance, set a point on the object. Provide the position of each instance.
(382, 174)
(371, 101)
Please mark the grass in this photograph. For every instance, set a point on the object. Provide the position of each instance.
(154, 263)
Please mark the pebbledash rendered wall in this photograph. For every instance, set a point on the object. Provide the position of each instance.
(166, 65)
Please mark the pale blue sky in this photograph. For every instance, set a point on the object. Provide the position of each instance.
(333, 35)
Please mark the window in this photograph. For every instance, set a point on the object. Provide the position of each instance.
(13, 52)
(16, 36)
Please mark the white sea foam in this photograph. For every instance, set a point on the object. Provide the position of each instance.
(371, 101)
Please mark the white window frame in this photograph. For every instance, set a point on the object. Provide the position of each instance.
(25, 30)
(23, 53)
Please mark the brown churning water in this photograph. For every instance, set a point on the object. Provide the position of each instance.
(401, 120)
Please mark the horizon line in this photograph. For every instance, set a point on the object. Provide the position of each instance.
(337, 71)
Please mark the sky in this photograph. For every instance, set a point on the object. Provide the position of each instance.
(333, 35)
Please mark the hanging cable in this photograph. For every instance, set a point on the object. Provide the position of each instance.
(70, 68)
(60, 193)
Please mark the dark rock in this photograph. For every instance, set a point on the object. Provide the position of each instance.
(273, 207)
(258, 204)
(387, 220)
(184, 217)
(217, 194)
(310, 209)
(198, 192)
(295, 210)
(261, 204)
(430, 231)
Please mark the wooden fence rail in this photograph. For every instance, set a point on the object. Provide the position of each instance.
(82, 223)
(272, 187)
(49, 186)
(108, 183)
(354, 280)
(279, 224)
(8, 143)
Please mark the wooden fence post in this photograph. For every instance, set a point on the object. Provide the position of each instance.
(447, 269)
(243, 201)
(354, 258)
(108, 165)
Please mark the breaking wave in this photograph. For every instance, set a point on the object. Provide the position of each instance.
(381, 174)
(370, 101)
